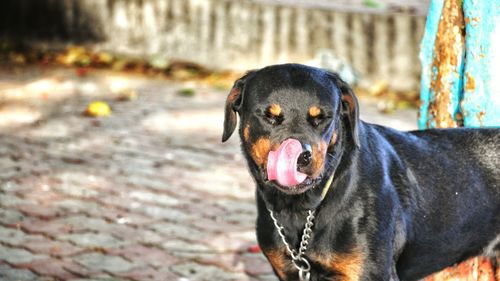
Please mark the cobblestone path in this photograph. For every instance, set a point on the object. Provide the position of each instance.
(148, 193)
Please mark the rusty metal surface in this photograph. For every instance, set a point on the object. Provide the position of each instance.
(476, 269)
(460, 56)
(481, 99)
(445, 85)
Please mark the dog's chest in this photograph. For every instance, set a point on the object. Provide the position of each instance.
(325, 264)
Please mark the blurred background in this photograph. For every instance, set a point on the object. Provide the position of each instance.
(111, 166)
(378, 39)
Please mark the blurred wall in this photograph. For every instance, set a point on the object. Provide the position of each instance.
(380, 42)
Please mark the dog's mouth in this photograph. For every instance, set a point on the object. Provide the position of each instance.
(307, 184)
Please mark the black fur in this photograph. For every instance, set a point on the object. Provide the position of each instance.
(402, 205)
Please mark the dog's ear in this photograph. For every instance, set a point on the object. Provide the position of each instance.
(350, 106)
(233, 105)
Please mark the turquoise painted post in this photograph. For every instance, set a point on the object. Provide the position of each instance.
(460, 84)
(426, 58)
(481, 97)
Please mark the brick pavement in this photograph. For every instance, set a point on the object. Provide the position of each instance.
(148, 193)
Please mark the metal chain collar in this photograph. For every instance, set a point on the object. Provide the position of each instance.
(298, 259)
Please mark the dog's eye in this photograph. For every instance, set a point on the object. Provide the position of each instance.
(316, 116)
(273, 119)
(318, 120)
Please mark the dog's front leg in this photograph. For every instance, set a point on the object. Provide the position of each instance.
(382, 248)
(381, 268)
(394, 273)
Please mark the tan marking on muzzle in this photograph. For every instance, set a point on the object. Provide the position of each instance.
(318, 158)
(260, 150)
(246, 133)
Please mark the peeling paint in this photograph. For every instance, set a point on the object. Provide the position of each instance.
(481, 102)
(448, 58)
(470, 84)
(460, 56)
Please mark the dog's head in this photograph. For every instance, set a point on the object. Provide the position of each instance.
(280, 102)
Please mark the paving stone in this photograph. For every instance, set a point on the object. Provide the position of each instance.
(121, 201)
(8, 171)
(199, 272)
(79, 184)
(232, 241)
(50, 228)
(16, 256)
(123, 217)
(9, 200)
(146, 254)
(156, 198)
(10, 217)
(41, 194)
(256, 265)
(78, 223)
(77, 206)
(96, 240)
(233, 206)
(165, 213)
(267, 277)
(231, 262)
(49, 267)
(150, 274)
(214, 225)
(52, 248)
(16, 237)
(8, 273)
(147, 182)
(43, 212)
(80, 270)
(237, 218)
(101, 279)
(9, 186)
(104, 262)
(149, 237)
(179, 247)
(178, 230)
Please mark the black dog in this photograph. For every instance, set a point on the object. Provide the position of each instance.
(400, 206)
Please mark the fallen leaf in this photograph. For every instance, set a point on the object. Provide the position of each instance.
(98, 109)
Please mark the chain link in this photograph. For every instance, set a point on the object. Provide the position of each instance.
(298, 258)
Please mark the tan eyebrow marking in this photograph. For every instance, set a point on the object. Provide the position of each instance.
(275, 109)
(314, 111)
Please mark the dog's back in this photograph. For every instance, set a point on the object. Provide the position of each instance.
(442, 211)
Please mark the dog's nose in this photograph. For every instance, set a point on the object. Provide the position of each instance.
(304, 159)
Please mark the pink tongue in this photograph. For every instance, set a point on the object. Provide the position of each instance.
(282, 164)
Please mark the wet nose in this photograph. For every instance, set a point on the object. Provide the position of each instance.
(305, 157)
